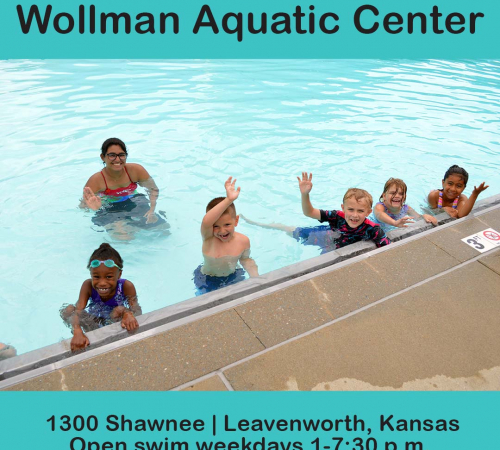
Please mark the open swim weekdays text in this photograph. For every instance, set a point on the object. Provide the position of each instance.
(347, 432)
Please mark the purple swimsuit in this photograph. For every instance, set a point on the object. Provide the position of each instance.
(102, 309)
(402, 213)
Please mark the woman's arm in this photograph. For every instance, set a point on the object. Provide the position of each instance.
(145, 180)
(90, 200)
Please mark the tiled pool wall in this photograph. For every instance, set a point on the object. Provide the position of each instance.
(113, 336)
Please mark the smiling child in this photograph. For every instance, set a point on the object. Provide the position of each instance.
(450, 198)
(222, 246)
(104, 298)
(351, 222)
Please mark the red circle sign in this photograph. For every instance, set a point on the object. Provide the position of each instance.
(491, 235)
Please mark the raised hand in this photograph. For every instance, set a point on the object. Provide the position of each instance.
(402, 223)
(91, 200)
(480, 188)
(305, 185)
(231, 191)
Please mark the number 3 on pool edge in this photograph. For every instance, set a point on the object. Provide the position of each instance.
(476, 244)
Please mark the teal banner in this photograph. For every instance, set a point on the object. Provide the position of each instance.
(445, 29)
(250, 421)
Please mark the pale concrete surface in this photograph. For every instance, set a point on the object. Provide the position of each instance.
(286, 313)
(442, 332)
(211, 384)
(492, 219)
(438, 329)
(492, 261)
(447, 239)
(160, 362)
(360, 284)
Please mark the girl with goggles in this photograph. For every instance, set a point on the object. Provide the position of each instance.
(105, 298)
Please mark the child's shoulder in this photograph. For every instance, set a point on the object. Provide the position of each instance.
(242, 239)
(433, 196)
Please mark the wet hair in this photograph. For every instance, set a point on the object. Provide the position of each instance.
(104, 252)
(231, 209)
(400, 184)
(456, 170)
(112, 141)
(358, 194)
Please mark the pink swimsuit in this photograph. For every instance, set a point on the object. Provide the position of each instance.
(440, 201)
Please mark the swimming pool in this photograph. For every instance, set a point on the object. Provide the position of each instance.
(194, 123)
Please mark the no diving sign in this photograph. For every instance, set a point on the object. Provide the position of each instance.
(484, 240)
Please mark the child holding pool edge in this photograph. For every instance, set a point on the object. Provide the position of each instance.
(222, 246)
(351, 222)
(7, 351)
(392, 210)
(450, 197)
(111, 298)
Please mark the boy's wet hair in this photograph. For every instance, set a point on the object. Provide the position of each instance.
(456, 170)
(104, 252)
(399, 183)
(112, 141)
(358, 194)
(231, 209)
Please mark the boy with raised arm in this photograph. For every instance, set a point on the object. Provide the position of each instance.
(351, 222)
(222, 246)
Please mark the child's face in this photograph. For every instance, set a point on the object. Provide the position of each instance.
(453, 186)
(356, 211)
(394, 197)
(104, 280)
(224, 227)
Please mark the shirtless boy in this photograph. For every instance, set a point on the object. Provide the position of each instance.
(223, 247)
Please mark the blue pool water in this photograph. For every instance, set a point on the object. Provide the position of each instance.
(192, 124)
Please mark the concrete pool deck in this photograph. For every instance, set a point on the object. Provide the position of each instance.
(421, 314)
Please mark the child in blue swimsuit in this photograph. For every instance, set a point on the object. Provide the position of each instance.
(104, 298)
(392, 211)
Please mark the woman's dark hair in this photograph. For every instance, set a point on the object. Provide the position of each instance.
(104, 252)
(112, 141)
(455, 170)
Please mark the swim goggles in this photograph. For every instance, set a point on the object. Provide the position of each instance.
(108, 263)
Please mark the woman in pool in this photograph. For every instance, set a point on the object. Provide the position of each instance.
(450, 198)
(112, 193)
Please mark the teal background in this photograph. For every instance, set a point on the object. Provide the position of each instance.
(347, 43)
(28, 428)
